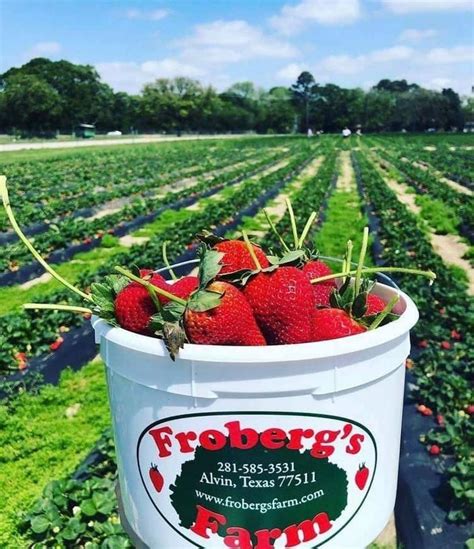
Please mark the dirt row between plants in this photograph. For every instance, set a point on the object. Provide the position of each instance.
(425, 167)
(114, 206)
(346, 179)
(451, 248)
(277, 209)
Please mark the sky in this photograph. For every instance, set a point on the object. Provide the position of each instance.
(347, 42)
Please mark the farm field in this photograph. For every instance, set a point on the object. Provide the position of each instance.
(90, 209)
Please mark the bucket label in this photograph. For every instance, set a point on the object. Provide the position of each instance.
(257, 480)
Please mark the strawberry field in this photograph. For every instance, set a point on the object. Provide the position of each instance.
(87, 211)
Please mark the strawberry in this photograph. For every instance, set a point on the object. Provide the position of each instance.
(445, 345)
(237, 257)
(181, 288)
(434, 450)
(230, 323)
(56, 344)
(375, 305)
(134, 307)
(322, 290)
(156, 478)
(361, 476)
(333, 324)
(282, 302)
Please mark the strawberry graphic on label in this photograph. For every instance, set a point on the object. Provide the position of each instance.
(361, 476)
(156, 478)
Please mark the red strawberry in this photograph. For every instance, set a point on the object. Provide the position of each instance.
(322, 290)
(375, 305)
(333, 324)
(361, 476)
(434, 450)
(134, 308)
(181, 288)
(283, 303)
(156, 478)
(445, 345)
(237, 257)
(56, 344)
(455, 335)
(230, 323)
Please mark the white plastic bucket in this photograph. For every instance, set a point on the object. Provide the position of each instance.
(259, 447)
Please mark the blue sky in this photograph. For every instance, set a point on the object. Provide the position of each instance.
(347, 42)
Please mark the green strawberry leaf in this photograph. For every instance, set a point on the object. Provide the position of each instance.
(117, 282)
(209, 266)
(292, 258)
(359, 307)
(209, 238)
(173, 312)
(204, 300)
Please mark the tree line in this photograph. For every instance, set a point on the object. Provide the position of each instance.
(44, 97)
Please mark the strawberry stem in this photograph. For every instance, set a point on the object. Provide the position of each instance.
(166, 262)
(273, 228)
(373, 270)
(386, 310)
(150, 287)
(29, 245)
(306, 229)
(293, 222)
(346, 263)
(57, 307)
(251, 251)
(360, 265)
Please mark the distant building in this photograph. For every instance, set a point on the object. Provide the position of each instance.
(85, 130)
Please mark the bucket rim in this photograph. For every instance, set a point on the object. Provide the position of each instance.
(271, 353)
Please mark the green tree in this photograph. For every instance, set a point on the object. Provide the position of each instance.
(30, 104)
(276, 112)
(303, 94)
(84, 97)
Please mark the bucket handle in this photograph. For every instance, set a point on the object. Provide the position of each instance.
(383, 276)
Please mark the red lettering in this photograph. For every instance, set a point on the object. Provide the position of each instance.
(205, 520)
(265, 537)
(346, 431)
(162, 440)
(212, 440)
(322, 447)
(355, 443)
(238, 538)
(183, 439)
(307, 528)
(273, 438)
(295, 438)
(243, 439)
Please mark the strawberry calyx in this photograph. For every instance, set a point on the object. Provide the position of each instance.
(168, 321)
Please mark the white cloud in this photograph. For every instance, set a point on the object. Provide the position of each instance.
(131, 77)
(448, 56)
(416, 35)
(293, 18)
(413, 6)
(290, 72)
(232, 41)
(153, 15)
(347, 64)
(42, 49)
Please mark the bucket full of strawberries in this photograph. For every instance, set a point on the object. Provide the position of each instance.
(257, 403)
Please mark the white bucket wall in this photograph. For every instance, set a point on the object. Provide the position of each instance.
(357, 381)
